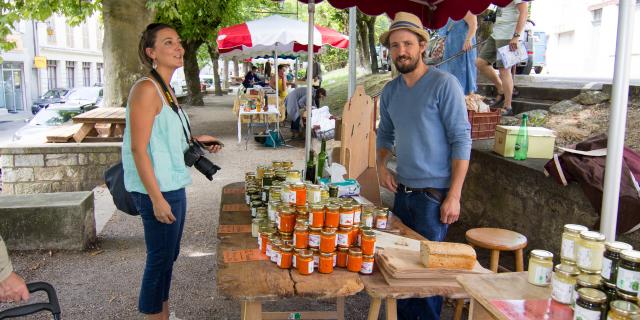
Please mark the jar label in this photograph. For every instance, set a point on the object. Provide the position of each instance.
(311, 219)
(367, 267)
(274, 256)
(356, 216)
(368, 221)
(606, 268)
(292, 197)
(272, 213)
(585, 314)
(316, 261)
(260, 242)
(381, 224)
(294, 261)
(335, 259)
(295, 239)
(268, 250)
(264, 196)
(628, 280)
(342, 240)
(253, 212)
(278, 220)
(541, 275)
(279, 262)
(346, 219)
(317, 196)
(567, 250)
(247, 198)
(314, 240)
(561, 291)
(310, 267)
(584, 258)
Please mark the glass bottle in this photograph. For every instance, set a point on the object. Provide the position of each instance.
(322, 160)
(310, 172)
(522, 141)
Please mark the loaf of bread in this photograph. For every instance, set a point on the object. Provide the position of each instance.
(447, 255)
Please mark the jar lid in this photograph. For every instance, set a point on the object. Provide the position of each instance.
(286, 248)
(617, 246)
(624, 308)
(333, 207)
(327, 254)
(315, 186)
(315, 250)
(355, 251)
(276, 242)
(627, 297)
(305, 253)
(317, 206)
(575, 228)
(610, 285)
(275, 202)
(592, 235)
(286, 209)
(541, 254)
(252, 190)
(367, 256)
(315, 229)
(368, 234)
(592, 295)
(256, 203)
(343, 249)
(301, 227)
(567, 270)
(329, 231)
(589, 280)
(268, 174)
(382, 213)
(346, 206)
(630, 255)
(347, 229)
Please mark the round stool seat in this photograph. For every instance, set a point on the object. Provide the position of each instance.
(496, 239)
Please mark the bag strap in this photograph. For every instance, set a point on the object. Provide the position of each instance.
(173, 105)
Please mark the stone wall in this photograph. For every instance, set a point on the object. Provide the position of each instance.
(56, 167)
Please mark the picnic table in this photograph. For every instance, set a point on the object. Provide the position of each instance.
(98, 125)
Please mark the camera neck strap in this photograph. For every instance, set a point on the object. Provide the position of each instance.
(174, 106)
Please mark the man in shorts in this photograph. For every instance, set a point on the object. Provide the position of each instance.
(509, 25)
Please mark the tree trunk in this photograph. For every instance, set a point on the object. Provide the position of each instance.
(371, 26)
(236, 67)
(192, 72)
(215, 55)
(364, 40)
(124, 20)
(225, 70)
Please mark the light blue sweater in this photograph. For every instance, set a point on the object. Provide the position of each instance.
(429, 127)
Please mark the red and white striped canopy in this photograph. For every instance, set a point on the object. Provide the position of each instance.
(260, 37)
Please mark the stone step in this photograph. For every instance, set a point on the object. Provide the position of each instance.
(535, 93)
(523, 105)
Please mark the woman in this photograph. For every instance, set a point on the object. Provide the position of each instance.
(154, 170)
(282, 81)
(461, 35)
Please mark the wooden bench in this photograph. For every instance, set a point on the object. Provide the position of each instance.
(97, 125)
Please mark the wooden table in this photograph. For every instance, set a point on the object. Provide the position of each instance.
(491, 293)
(253, 282)
(98, 125)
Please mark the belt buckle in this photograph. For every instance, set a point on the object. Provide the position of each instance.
(406, 190)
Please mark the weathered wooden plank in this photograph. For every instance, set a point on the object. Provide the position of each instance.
(82, 132)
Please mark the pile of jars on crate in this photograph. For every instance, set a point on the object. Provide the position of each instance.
(598, 279)
(307, 227)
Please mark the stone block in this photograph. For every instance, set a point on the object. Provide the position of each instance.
(50, 173)
(113, 158)
(74, 173)
(32, 187)
(52, 221)
(7, 188)
(83, 159)
(6, 161)
(18, 175)
(29, 160)
(61, 159)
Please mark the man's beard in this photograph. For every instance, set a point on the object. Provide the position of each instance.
(406, 68)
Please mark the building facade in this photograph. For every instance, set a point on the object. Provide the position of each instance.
(73, 59)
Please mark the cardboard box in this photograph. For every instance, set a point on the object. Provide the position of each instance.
(541, 141)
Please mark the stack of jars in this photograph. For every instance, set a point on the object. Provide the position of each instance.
(594, 277)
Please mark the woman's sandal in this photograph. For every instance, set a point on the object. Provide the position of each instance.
(498, 102)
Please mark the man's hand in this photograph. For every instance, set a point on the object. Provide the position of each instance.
(387, 180)
(513, 43)
(13, 289)
(450, 210)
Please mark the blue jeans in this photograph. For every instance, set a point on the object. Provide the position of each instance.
(163, 246)
(420, 212)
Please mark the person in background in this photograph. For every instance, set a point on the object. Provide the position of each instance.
(251, 78)
(296, 103)
(155, 173)
(267, 70)
(509, 25)
(461, 36)
(423, 119)
(282, 81)
(12, 286)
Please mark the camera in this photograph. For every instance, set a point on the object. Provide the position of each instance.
(491, 16)
(194, 156)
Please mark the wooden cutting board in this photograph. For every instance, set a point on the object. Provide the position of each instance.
(448, 283)
(406, 264)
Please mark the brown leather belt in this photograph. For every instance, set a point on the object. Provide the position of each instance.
(435, 193)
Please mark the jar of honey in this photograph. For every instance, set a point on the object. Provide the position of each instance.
(301, 237)
(346, 216)
(328, 240)
(281, 175)
(267, 179)
(341, 257)
(251, 191)
(590, 251)
(366, 219)
(354, 260)
(293, 176)
(265, 194)
(299, 194)
(367, 264)
(287, 220)
(343, 237)
(304, 262)
(314, 194)
(540, 267)
(623, 310)
(285, 258)
(381, 219)
(314, 237)
(332, 216)
(260, 172)
(368, 242)
(287, 164)
(316, 217)
(325, 264)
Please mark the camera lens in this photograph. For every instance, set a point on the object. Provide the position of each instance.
(206, 167)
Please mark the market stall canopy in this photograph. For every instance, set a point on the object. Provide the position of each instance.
(260, 37)
(433, 13)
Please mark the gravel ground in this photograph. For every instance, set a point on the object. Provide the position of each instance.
(103, 283)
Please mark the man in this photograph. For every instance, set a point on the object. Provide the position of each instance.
(509, 25)
(422, 114)
(297, 100)
(251, 78)
(12, 286)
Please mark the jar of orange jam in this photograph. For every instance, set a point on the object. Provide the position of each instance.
(275, 250)
(328, 240)
(287, 220)
(354, 260)
(301, 237)
(332, 216)
(353, 236)
(367, 264)
(341, 257)
(326, 262)
(363, 228)
(300, 191)
(314, 237)
(316, 217)
(343, 237)
(346, 215)
(285, 257)
(381, 219)
(265, 233)
(304, 262)
(368, 245)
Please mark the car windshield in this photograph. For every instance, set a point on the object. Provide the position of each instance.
(89, 93)
(51, 117)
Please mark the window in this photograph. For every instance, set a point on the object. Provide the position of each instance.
(597, 17)
(100, 70)
(86, 74)
(70, 74)
(51, 32)
(51, 74)
(69, 36)
(85, 36)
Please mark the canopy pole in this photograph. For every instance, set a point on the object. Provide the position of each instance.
(617, 120)
(307, 138)
(353, 41)
(275, 62)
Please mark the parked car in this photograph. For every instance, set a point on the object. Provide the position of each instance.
(51, 96)
(539, 51)
(36, 130)
(82, 96)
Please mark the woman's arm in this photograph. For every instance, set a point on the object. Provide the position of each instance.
(145, 105)
(472, 22)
